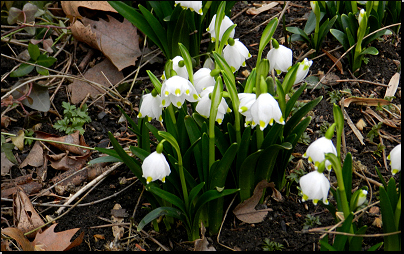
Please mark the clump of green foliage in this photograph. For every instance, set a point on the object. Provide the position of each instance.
(271, 246)
(311, 221)
(74, 119)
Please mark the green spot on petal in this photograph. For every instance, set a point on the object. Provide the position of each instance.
(271, 122)
(233, 69)
(315, 201)
(262, 124)
(187, 91)
(163, 179)
(166, 93)
(305, 197)
(149, 179)
(394, 171)
(149, 119)
(179, 104)
(163, 102)
(243, 109)
(177, 91)
(219, 121)
(160, 118)
(139, 115)
(281, 120)
(195, 96)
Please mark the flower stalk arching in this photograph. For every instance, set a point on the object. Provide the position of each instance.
(339, 120)
(216, 98)
(168, 137)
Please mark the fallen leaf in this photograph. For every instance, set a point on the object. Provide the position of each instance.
(18, 141)
(79, 89)
(276, 195)
(380, 119)
(38, 98)
(264, 7)
(35, 156)
(365, 101)
(71, 8)
(374, 210)
(29, 188)
(330, 79)
(75, 180)
(118, 41)
(203, 244)
(5, 164)
(66, 162)
(19, 237)
(74, 138)
(98, 236)
(25, 216)
(393, 84)
(48, 240)
(5, 121)
(246, 211)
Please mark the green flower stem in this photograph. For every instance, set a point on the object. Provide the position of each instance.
(211, 141)
(172, 114)
(339, 120)
(336, 164)
(205, 10)
(182, 177)
(49, 141)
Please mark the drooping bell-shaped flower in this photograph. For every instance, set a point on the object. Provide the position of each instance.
(203, 79)
(314, 186)
(395, 159)
(155, 167)
(361, 197)
(179, 67)
(176, 90)
(204, 104)
(235, 54)
(246, 101)
(265, 110)
(280, 58)
(317, 150)
(195, 6)
(362, 14)
(303, 70)
(226, 23)
(150, 107)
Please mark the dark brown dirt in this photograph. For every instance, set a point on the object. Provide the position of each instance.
(285, 223)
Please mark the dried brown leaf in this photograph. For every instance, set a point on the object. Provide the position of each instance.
(67, 162)
(19, 237)
(35, 156)
(25, 215)
(5, 121)
(18, 141)
(74, 138)
(203, 244)
(246, 211)
(117, 231)
(71, 8)
(365, 101)
(118, 41)
(264, 7)
(79, 89)
(334, 59)
(5, 164)
(393, 84)
(48, 240)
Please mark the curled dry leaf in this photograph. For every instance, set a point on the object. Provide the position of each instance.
(118, 41)
(246, 211)
(117, 231)
(264, 7)
(203, 244)
(18, 141)
(25, 215)
(393, 84)
(24, 182)
(19, 237)
(365, 101)
(79, 89)
(71, 8)
(5, 164)
(74, 138)
(65, 162)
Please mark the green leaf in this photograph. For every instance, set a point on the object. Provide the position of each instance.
(340, 240)
(167, 136)
(347, 175)
(129, 161)
(246, 176)
(167, 196)
(104, 159)
(218, 175)
(295, 119)
(42, 71)
(341, 37)
(180, 35)
(23, 70)
(225, 67)
(243, 150)
(139, 152)
(296, 30)
(194, 192)
(225, 37)
(356, 242)
(46, 61)
(267, 35)
(169, 211)
(110, 152)
(290, 78)
(292, 101)
(39, 95)
(187, 60)
(209, 196)
(33, 51)
(155, 81)
(370, 51)
(325, 245)
(391, 242)
(375, 247)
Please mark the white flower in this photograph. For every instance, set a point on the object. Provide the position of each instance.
(203, 107)
(362, 14)
(209, 63)
(312, 4)
(362, 197)
(195, 6)
(395, 159)
(151, 107)
(176, 90)
(316, 151)
(155, 167)
(265, 110)
(236, 54)
(203, 79)
(302, 70)
(246, 101)
(280, 58)
(314, 186)
(181, 71)
(226, 23)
